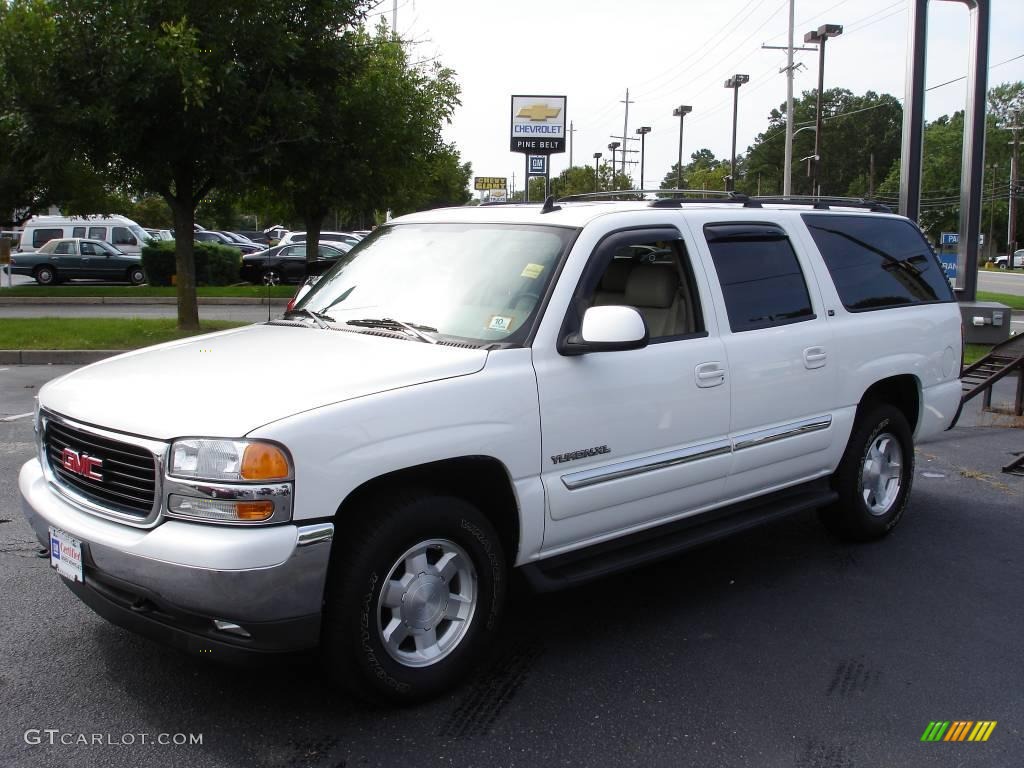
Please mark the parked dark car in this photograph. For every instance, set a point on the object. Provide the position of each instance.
(211, 236)
(286, 263)
(73, 258)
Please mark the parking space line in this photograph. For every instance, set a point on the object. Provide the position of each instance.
(16, 417)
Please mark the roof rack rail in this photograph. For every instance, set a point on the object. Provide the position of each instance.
(820, 203)
(638, 194)
(509, 202)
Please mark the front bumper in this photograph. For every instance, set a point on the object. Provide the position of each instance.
(171, 581)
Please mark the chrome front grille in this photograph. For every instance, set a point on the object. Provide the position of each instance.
(127, 484)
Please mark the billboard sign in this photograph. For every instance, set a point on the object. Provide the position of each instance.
(538, 124)
(483, 183)
(538, 165)
(498, 196)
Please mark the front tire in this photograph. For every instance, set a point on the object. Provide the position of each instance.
(874, 477)
(136, 276)
(414, 598)
(46, 275)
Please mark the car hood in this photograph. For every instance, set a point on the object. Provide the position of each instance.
(229, 383)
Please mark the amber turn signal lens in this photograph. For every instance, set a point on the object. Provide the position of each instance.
(263, 461)
(254, 510)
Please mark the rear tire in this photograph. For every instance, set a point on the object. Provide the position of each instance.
(46, 275)
(414, 597)
(874, 477)
(136, 276)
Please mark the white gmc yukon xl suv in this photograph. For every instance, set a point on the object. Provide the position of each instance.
(570, 390)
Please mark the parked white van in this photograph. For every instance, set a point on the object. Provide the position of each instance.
(121, 232)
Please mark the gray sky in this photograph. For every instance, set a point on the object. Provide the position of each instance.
(671, 52)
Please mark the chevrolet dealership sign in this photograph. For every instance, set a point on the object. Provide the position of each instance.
(538, 124)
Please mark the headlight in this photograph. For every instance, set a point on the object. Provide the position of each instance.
(228, 460)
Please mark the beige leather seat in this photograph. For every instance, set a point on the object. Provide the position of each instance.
(654, 290)
(612, 289)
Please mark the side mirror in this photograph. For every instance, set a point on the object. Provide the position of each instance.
(608, 329)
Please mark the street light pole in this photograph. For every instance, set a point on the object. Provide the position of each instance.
(613, 146)
(819, 36)
(643, 130)
(597, 178)
(681, 112)
(734, 82)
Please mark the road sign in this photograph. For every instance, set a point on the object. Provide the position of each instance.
(481, 183)
(538, 124)
(538, 165)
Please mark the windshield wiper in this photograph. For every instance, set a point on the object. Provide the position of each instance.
(396, 325)
(318, 317)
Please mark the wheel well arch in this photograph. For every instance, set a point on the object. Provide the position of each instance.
(902, 392)
(483, 481)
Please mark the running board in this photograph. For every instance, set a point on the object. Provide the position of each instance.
(664, 541)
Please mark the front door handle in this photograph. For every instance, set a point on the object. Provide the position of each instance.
(815, 357)
(709, 374)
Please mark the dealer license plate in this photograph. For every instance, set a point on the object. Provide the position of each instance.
(65, 554)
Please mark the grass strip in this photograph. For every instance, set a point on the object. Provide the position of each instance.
(1013, 302)
(95, 333)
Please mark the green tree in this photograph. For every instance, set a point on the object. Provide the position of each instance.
(704, 171)
(167, 96)
(854, 128)
(370, 137)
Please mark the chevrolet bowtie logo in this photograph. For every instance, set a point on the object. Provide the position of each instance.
(538, 112)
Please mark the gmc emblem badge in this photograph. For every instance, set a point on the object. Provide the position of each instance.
(81, 464)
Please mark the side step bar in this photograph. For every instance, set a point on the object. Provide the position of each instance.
(661, 542)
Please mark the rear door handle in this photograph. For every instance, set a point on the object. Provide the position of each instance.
(709, 374)
(815, 357)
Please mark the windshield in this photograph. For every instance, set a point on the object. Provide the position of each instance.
(140, 234)
(481, 282)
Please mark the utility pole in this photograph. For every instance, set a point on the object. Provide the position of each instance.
(572, 130)
(394, 19)
(994, 168)
(625, 129)
(871, 176)
(1011, 240)
(787, 171)
(614, 146)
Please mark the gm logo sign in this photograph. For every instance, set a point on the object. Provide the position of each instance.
(538, 164)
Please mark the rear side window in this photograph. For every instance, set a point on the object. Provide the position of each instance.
(761, 279)
(43, 236)
(877, 263)
(123, 237)
(97, 233)
(78, 232)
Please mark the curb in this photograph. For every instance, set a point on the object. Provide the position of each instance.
(56, 356)
(169, 300)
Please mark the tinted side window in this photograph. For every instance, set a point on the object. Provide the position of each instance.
(43, 236)
(78, 232)
(760, 276)
(877, 262)
(123, 237)
(64, 249)
(97, 233)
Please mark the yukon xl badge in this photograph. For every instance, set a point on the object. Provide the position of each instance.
(573, 455)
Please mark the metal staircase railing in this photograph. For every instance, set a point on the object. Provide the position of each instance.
(1004, 359)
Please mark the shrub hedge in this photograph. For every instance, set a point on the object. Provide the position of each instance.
(215, 264)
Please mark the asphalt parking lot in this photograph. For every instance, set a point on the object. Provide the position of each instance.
(781, 647)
